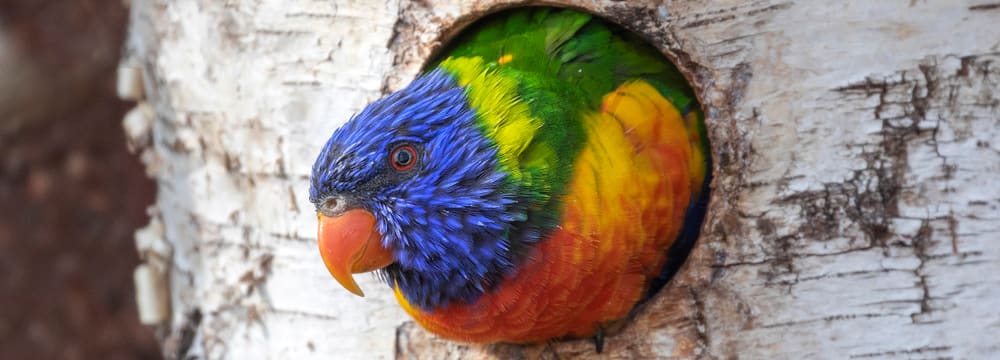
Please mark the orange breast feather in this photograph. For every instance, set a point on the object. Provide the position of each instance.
(624, 208)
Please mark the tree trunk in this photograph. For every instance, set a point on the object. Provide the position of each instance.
(853, 212)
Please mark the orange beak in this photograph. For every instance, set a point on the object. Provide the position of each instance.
(349, 244)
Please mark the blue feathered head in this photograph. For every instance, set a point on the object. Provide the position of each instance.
(411, 187)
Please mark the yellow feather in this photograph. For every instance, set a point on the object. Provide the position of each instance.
(494, 98)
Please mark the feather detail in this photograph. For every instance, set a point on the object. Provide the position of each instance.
(502, 116)
(625, 205)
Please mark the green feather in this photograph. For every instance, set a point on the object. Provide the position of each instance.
(564, 63)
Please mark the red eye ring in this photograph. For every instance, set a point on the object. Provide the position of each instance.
(403, 157)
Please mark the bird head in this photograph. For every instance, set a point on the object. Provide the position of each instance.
(412, 188)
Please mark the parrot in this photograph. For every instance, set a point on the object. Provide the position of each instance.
(543, 175)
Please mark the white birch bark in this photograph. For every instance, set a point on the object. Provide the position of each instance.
(854, 214)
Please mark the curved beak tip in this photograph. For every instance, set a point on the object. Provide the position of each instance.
(349, 244)
(351, 286)
(342, 273)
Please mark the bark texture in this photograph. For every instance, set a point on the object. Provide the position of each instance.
(854, 213)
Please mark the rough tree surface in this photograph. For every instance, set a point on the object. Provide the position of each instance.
(854, 212)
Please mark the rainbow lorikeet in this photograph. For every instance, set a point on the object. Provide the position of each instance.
(541, 178)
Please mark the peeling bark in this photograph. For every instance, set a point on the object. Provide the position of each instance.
(854, 213)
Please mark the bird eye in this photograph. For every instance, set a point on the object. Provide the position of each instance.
(330, 203)
(403, 157)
